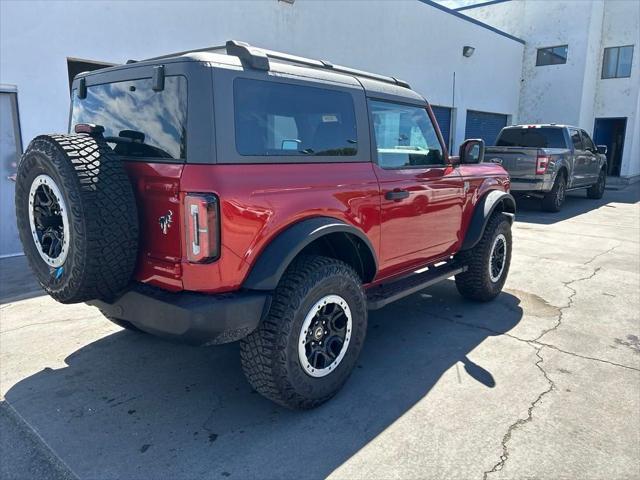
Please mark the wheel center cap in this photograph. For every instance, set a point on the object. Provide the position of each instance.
(318, 333)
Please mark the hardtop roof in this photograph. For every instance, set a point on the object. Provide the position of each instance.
(280, 63)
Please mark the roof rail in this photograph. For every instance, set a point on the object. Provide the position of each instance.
(258, 58)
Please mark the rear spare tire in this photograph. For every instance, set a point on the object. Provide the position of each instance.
(77, 217)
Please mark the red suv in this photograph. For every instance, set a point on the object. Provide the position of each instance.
(235, 193)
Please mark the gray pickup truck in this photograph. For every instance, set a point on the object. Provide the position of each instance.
(548, 160)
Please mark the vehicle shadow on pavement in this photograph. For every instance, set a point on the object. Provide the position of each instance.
(133, 406)
(16, 280)
(576, 203)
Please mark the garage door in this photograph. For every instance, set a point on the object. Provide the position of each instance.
(443, 117)
(484, 125)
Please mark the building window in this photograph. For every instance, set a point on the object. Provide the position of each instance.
(552, 55)
(617, 62)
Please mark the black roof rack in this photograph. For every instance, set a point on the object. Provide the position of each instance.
(258, 58)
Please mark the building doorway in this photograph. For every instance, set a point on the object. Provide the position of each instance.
(610, 132)
(10, 152)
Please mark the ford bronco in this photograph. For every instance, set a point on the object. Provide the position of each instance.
(235, 193)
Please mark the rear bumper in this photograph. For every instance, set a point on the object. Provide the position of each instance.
(187, 316)
(543, 183)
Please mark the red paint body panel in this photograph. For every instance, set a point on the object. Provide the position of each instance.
(423, 226)
(157, 191)
(257, 202)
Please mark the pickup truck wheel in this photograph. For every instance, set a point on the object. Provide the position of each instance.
(77, 217)
(305, 349)
(487, 263)
(553, 201)
(596, 191)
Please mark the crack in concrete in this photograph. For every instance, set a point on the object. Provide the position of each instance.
(539, 346)
(534, 343)
(37, 324)
(603, 253)
(522, 421)
(569, 304)
(585, 357)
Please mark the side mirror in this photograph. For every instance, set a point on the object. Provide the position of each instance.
(602, 149)
(472, 151)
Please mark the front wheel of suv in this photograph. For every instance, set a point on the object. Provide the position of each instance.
(305, 349)
(487, 263)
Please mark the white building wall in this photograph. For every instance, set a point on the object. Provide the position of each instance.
(593, 55)
(549, 93)
(574, 93)
(620, 97)
(408, 39)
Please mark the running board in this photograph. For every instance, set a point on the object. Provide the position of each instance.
(380, 295)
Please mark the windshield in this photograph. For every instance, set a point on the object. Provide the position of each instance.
(138, 121)
(545, 137)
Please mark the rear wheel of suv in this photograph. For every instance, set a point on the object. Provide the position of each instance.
(77, 217)
(305, 349)
(596, 191)
(553, 201)
(487, 262)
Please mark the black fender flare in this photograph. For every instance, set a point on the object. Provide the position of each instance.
(484, 209)
(280, 252)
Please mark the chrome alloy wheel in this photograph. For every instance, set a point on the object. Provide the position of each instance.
(49, 221)
(324, 336)
(498, 258)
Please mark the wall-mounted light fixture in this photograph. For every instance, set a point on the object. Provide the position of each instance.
(467, 51)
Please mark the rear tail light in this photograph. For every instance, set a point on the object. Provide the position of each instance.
(202, 227)
(542, 164)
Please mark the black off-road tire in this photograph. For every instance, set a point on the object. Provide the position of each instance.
(269, 355)
(596, 191)
(101, 213)
(554, 199)
(476, 283)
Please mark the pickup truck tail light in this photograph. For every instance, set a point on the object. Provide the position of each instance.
(202, 227)
(542, 164)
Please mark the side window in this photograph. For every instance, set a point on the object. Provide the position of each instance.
(405, 136)
(588, 143)
(575, 138)
(273, 118)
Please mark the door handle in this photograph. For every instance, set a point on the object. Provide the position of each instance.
(396, 195)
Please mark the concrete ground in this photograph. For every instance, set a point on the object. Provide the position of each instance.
(542, 383)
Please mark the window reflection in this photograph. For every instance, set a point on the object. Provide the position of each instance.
(138, 122)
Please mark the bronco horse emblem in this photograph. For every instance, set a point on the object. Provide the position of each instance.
(165, 221)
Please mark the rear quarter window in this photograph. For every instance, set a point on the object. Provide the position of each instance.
(281, 119)
(138, 121)
(532, 138)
